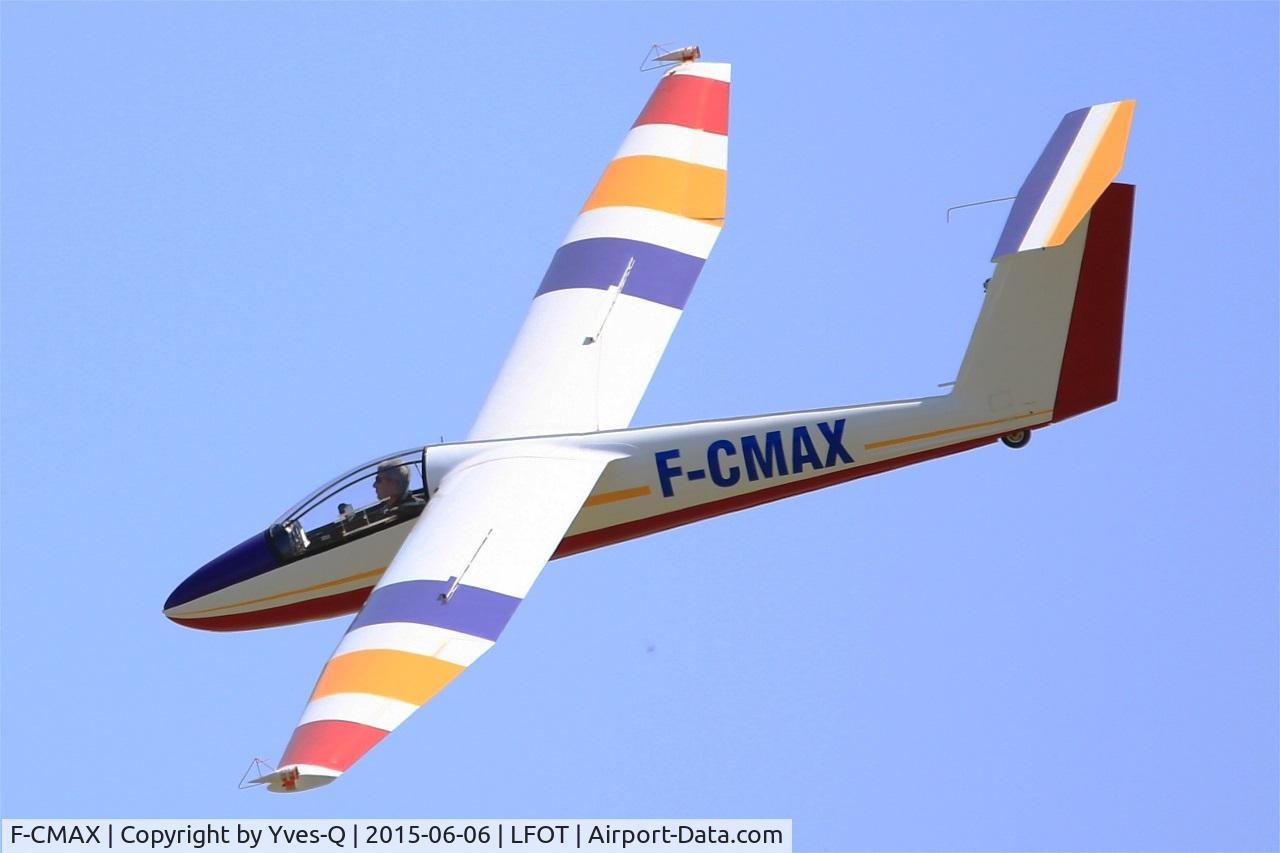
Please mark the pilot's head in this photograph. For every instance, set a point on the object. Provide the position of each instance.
(392, 482)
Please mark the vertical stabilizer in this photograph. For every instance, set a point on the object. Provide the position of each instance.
(1047, 341)
(1048, 336)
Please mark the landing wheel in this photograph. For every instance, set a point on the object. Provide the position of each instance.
(1017, 438)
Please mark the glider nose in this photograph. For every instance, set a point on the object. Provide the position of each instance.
(197, 597)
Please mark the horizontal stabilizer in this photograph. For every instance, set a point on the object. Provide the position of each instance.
(1082, 158)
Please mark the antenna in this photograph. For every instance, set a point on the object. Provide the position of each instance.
(660, 57)
(976, 203)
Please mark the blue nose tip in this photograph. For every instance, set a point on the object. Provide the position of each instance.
(250, 558)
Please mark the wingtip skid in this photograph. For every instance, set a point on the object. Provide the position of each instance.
(719, 71)
(296, 777)
(1082, 158)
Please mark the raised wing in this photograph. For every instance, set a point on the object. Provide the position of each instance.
(616, 287)
(443, 601)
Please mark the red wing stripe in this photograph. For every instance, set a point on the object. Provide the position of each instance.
(335, 744)
(689, 101)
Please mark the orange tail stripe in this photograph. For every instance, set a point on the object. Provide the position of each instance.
(386, 672)
(1103, 166)
(660, 183)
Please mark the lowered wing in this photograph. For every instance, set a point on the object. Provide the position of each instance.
(617, 285)
(464, 568)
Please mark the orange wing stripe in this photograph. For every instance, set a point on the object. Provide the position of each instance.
(660, 183)
(386, 672)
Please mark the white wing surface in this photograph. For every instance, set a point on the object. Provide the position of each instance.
(617, 285)
(443, 601)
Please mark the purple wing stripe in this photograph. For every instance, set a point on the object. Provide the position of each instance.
(659, 275)
(471, 610)
(1036, 186)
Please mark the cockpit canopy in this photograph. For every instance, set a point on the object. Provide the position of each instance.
(367, 499)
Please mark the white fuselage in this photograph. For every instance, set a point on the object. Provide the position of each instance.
(666, 476)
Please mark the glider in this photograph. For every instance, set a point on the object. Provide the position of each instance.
(435, 547)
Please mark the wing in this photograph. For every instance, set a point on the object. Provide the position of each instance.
(464, 568)
(617, 285)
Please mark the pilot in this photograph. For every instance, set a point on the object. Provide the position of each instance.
(392, 485)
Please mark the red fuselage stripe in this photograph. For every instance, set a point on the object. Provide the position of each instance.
(351, 601)
(286, 614)
(656, 523)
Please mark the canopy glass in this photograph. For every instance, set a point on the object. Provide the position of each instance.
(366, 499)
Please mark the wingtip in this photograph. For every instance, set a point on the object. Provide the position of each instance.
(297, 777)
(720, 71)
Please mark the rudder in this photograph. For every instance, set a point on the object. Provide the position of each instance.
(1090, 374)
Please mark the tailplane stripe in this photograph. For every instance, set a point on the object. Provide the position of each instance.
(1082, 158)
(1036, 186)
(1103, 165)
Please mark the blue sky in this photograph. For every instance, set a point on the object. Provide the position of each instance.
(246, 246)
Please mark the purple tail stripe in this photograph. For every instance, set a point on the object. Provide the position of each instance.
(659, 275)
(471, 610)
(1037, 184)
